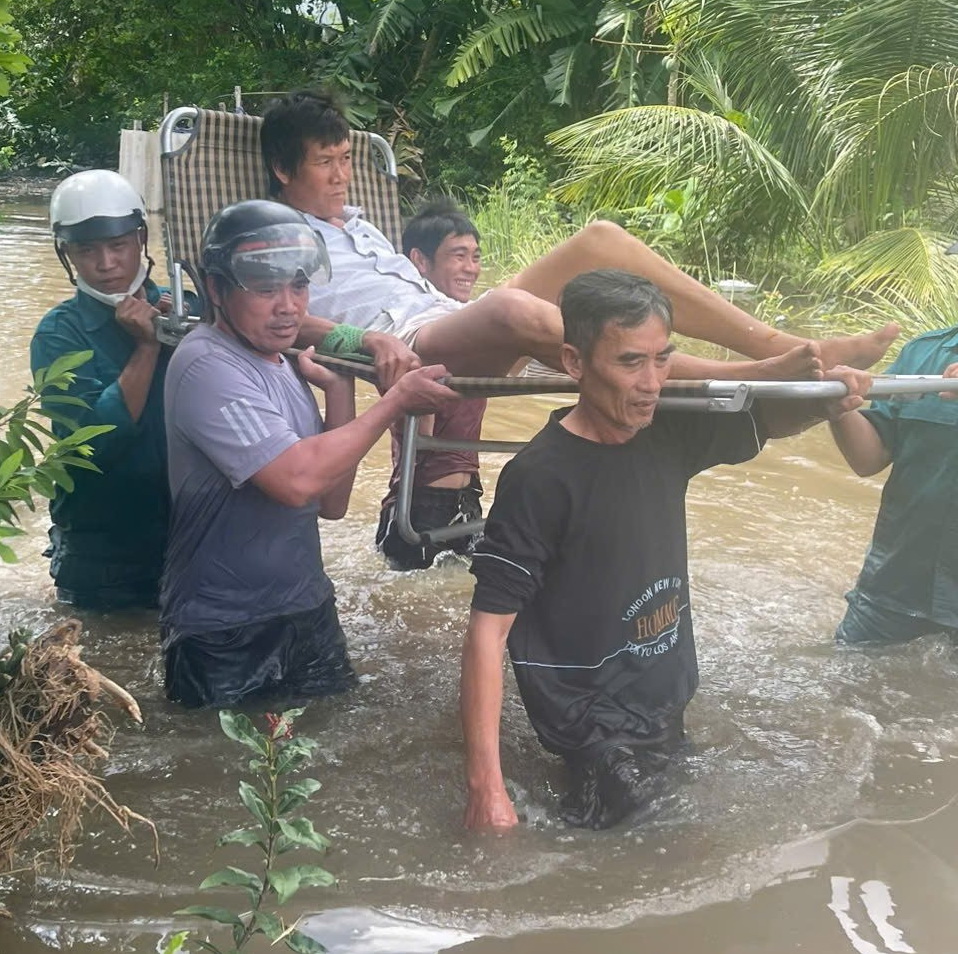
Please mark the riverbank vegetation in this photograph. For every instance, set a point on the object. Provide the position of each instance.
(809, 148)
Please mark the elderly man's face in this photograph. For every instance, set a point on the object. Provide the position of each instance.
(108, 265)
(619, 383)
(270, 318)
(320, 182)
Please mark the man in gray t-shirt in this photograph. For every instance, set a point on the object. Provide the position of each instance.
(246, 607)
(230, 413)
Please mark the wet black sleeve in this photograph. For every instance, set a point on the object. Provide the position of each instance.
(716, 438)
(522, 535)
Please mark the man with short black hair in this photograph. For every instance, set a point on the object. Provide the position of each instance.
(443, 244)
(583, 567)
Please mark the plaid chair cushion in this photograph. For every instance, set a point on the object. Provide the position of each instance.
(221, 163)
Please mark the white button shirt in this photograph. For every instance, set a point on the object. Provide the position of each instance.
(373, 286)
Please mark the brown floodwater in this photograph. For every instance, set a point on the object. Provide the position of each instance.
(815, 811)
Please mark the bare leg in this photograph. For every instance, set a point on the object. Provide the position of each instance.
(490, 335)
(801, 363)
(699, 312)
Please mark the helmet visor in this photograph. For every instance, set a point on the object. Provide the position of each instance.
(276, 255)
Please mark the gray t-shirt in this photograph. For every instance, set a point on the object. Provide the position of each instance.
(235, 555)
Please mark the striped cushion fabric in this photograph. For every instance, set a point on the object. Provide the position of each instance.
(221, 163)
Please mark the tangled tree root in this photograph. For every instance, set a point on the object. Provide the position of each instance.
(52, 735)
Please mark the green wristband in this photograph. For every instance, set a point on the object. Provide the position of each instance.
(343, 339)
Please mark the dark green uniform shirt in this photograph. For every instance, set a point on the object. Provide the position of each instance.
(912, 564)
(109, 534)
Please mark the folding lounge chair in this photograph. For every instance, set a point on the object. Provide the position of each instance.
(220, 163)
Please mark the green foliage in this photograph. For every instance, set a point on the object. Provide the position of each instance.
(519, 218)
(276, 754)
(589, 55)
(13, 61)
(824, 133)
(521, 66)
(33, 460)
(12, 655)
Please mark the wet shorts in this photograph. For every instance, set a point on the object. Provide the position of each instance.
(432, 507)
(99, 578)
(406, 329)
(303, 654)
(866, 621)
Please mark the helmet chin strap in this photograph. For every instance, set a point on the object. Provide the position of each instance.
(115, 298)
(143, 273)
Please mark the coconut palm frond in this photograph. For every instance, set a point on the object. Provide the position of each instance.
(883, 38)
(704, 78)
(915, 318)
(619, 155)
(892, 147)
(771, 62)
(506, 33)
(901, 264)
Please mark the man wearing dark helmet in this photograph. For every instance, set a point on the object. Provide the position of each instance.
(246, 607)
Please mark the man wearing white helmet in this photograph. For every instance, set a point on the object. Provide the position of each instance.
(108, 535)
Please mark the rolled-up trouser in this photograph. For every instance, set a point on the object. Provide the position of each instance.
(619, 781)
(303, 654)
(431, 508)
(867, 622)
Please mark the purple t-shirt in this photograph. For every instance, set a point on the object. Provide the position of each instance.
(235, 555)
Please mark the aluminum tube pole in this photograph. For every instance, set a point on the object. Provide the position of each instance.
(792, 390)
(169, 124)
(407, 471)
(491, 447)
(453, 532)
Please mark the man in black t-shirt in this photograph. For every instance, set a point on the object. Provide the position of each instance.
(583, 566)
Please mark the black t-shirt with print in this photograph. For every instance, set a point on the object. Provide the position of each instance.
(587, 543)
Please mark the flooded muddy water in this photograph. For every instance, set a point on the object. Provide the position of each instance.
(815, 811)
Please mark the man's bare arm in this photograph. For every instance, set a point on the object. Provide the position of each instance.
(314, 466)
(784, 418)
(480, 704)
(860, 444)
(340, 409)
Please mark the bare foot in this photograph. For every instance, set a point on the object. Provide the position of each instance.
(858, 351)
(801, 363)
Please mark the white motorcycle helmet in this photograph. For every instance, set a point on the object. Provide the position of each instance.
(92, 206)
(97, 204)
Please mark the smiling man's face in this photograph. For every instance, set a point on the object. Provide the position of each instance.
(455, 267)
